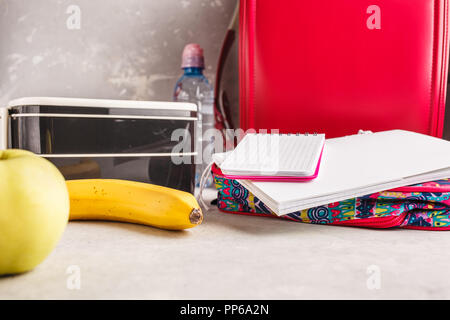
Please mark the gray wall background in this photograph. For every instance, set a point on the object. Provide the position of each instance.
(124, 49)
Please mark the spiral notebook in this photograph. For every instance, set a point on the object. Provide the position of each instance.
(275, 157)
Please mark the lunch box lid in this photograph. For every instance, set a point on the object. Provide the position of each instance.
(101, 103)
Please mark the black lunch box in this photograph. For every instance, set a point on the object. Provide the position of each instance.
(143, 141)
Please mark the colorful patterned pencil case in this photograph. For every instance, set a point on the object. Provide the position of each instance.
(423, 206)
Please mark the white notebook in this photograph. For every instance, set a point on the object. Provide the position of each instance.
(290, 155)
(358, 165)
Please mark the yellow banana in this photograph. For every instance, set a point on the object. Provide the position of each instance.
(135, 202)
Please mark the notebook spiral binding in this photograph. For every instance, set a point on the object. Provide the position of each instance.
(290, 134)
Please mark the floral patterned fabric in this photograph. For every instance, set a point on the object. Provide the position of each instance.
(403, 207)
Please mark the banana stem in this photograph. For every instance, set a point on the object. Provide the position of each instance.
(196, 216)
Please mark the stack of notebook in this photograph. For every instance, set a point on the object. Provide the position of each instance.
(289, 173)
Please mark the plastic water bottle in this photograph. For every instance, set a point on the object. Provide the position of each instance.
(194, 87)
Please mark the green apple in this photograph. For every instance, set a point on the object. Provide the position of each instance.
(34, 210)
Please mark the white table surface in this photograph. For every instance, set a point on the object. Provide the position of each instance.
(238, 257)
